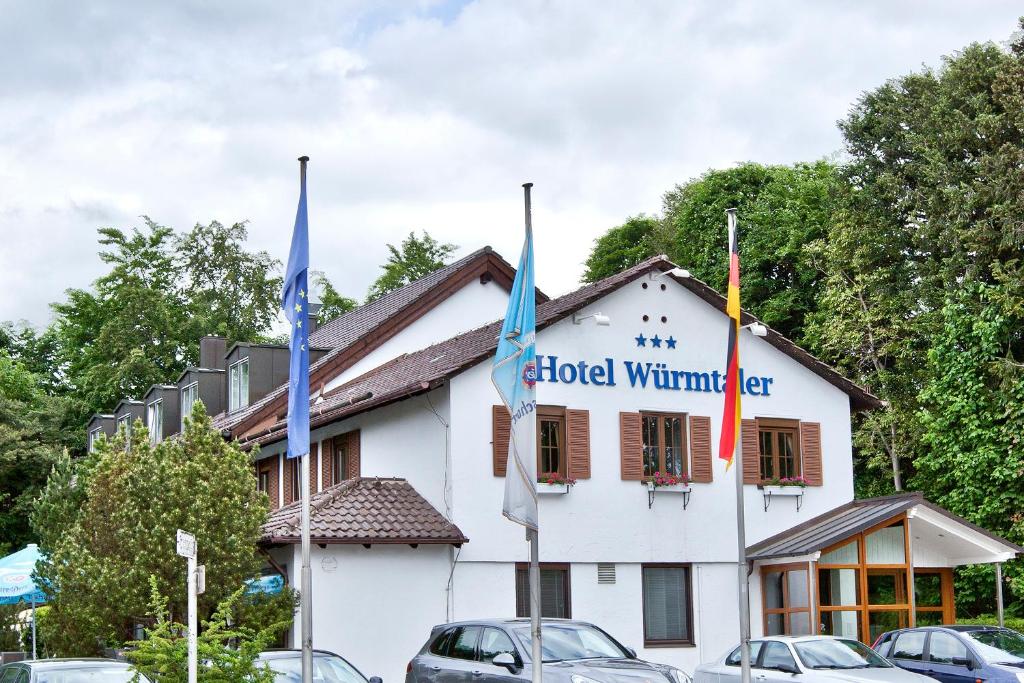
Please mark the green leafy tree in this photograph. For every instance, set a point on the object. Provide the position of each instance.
(34, 429)
(332, 303)
(932, 203)
(972, 416)
(133, 498)
(626, 245)
(228, 291)
(415, 258)
(781, 209)
(227, 652)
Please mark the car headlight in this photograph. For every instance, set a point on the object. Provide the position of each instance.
(680, 676)
(576, 678)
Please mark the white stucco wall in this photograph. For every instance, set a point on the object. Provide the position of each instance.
(375, 606)
(470, 307)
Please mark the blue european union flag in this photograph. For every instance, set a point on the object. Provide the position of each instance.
(296, 304)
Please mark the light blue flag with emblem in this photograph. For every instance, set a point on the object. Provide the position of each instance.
(296, 303)
(515, 376)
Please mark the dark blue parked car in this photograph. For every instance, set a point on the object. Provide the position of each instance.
(957, 654)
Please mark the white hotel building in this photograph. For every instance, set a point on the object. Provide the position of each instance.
(409, 454)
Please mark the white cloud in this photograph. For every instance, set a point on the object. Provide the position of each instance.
(416, 116)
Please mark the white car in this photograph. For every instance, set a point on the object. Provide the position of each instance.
(806, 659)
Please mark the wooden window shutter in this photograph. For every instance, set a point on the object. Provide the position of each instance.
(631, 446)
(289, 495)
(751, 453)
(810, 448)
(577, 427)
(700, 449)
(327, 455)
(314, 455)
(501, 432)
(352, 446)
(273, 485)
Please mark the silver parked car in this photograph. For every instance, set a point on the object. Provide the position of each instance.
(806, 659)
(327, 667)
(69, 671)
(498, 651)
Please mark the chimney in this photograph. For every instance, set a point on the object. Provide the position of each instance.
(211, 352)
(314, 311)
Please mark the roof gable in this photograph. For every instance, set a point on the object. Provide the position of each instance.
(421, 371)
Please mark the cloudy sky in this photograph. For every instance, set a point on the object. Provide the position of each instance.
(417, 116)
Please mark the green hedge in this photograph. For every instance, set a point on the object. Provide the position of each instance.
(1016, 623)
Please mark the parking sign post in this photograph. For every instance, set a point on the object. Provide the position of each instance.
(187, 549)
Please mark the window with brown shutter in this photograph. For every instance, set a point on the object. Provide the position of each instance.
(778, 447)
(631, 447)
(314, 458)
(810, 444)
(578, 432)
(701, 470)
(664, 443)
(551, 446)
(501, 429)
(344, 457)
(563, 441)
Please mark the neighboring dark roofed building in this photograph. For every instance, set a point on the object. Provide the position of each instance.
(201, 384)
(356, 333)
(850, 519)
(367, 511)
(424, 370)
(128, 411)
(99, 425)
(163, 407)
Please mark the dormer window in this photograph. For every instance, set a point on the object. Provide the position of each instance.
(155, 420)
(94, 436)
(189, 395)
(238, 385)
(126, 422)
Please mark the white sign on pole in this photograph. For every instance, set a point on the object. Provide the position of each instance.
(200, 579)
(186, 544)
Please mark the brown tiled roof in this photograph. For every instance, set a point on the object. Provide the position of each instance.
(365, 510)
(421, 371)
(349, 329)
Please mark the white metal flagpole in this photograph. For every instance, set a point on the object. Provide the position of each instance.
(741, 535)
(307, 580)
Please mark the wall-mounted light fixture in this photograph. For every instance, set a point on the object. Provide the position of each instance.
(756, 329)
(675, 272)
(599, 318)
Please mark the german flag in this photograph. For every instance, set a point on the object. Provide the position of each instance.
(731, 413)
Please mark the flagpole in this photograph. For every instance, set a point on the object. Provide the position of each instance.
(533, 535)
(305, 596)
(741, 535)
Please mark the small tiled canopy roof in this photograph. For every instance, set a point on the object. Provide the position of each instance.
(365, 510)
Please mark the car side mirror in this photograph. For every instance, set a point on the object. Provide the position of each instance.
(632, 652)
(505, 659)
(787, 668)
(376, 679)
(963, 661)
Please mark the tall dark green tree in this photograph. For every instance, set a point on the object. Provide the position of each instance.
(413, 259)
(332, 302)
(626, 245)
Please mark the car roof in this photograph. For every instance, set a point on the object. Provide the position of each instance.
(285, 652)
(958, 628)
(70, 662)
(509, 622)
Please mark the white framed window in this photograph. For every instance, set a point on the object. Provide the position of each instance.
(126, 422)
(94, 436)
(189, 395)
(155, 420)
(238, 385)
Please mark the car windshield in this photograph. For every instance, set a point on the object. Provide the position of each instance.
(326, 668)
(838, 653)
(998, 646)
(560, 642)
(92, 674)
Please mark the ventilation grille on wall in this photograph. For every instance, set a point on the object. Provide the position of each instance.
(606, 573)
